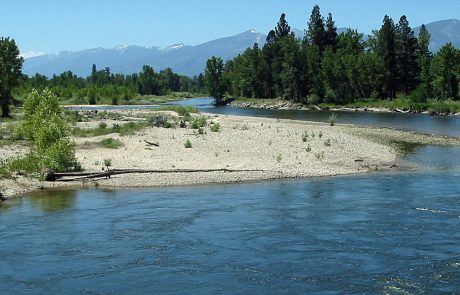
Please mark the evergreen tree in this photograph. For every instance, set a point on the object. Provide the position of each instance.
(424, 62)
(10, 72)
(407, 65)
(330, 37)
(316, 34)
(282, 29)
(386, 49)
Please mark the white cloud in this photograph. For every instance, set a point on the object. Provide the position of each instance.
(29, 54)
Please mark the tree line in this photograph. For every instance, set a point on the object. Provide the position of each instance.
(325, 66)
(103, 84)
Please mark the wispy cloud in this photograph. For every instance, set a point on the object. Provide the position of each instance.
(29, 54)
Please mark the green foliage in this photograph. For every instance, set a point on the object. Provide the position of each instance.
(214, 77)
(327, 142)
(305, 136)
(45, 126)
(107, 162)
(188, 144)
(308, 149)
(279, 158)
(129, 128)
(10, 72)
(184, 111)
(215, 127)
(110, 143)
(333, 119)
(198, 122)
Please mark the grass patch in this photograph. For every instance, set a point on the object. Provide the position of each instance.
(184, 111)
(127, 129)
(188, 144)
(110, 143)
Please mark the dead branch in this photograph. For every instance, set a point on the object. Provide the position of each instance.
(151, 143)
(77, 176)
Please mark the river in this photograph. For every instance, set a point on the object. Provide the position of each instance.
(391, 233)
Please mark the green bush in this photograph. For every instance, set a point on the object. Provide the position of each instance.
(333, 119)
(198, 122)
(188, 144)
(45, 125)
(215, 127)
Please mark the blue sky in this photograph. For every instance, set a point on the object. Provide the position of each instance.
(55, 25)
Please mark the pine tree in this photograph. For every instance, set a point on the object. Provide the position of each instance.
(316, 34)
(331, 33)
(386, 49)
(407, 66)
(10, 72)
(424, 63)
(282, 29)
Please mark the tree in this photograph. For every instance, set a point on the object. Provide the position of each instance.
(148, 81)
(424, 62)
(282, 29)
(446, 67)
(10, 72)
(386, 49)
(214, 77)
(407, 65)
(330, 36)
(49, 131)
(316, 34)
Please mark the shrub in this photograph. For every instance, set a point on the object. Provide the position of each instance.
(308, 149)
(327, 142)
(215, 127)
(313, 99)
(305, 136)
(279, 158)
(333, 119)
(198, 122)
(188, 144)
(45, 126)
(107, 162)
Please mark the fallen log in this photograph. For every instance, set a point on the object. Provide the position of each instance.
(151, 143)
(77, 176)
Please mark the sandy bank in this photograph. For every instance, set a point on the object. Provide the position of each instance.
(279, 148)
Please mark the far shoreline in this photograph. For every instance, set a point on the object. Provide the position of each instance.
(278, 104)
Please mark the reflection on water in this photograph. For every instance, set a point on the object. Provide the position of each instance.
(52, 201)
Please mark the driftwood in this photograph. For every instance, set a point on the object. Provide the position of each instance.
(151, 143)
(76, 176)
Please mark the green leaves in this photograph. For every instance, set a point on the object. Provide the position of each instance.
(45, 126)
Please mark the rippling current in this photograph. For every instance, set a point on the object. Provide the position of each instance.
(383, 233)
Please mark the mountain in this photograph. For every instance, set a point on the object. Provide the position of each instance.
(442, 32)
(185, 59)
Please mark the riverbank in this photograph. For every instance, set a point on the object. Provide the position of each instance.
(403, 107)
(275, 148)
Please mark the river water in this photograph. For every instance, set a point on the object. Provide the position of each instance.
(390, 233)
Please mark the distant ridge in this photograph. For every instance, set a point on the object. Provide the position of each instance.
(186, 59)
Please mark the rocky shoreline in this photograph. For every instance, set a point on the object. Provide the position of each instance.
(288, 105)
